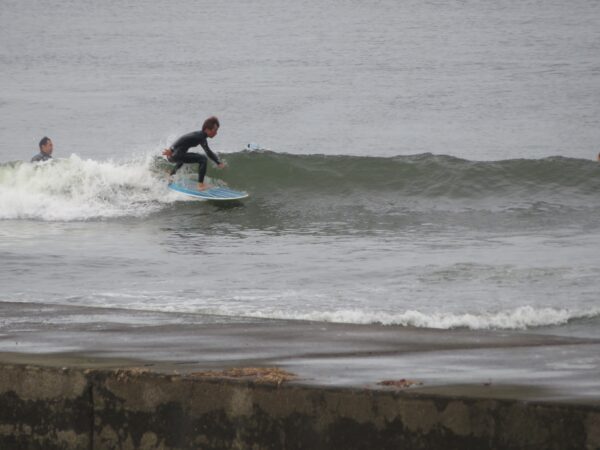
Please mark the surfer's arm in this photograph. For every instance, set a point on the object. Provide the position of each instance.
(210, 153)
(176, 168)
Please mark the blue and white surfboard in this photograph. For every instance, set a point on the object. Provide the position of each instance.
(217, 193)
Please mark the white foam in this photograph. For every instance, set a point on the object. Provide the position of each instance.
(519, 318)
(80, 189)
(261, 306)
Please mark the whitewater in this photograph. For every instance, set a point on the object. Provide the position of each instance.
(78, 189)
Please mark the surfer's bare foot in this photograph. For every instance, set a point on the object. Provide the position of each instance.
(203, 186)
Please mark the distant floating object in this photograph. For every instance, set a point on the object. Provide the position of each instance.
(254, 147)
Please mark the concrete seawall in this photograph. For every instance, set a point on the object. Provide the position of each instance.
(70, 408)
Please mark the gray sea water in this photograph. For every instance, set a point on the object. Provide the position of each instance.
(429, 163)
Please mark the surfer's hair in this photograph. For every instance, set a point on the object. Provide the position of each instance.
(210, 123)
(44, 141)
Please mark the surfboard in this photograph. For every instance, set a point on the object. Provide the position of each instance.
(216, 193)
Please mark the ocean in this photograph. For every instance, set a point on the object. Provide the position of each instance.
(423, 164)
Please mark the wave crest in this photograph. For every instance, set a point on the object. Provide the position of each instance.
(521, 318)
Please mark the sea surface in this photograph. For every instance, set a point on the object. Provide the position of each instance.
(416, 163)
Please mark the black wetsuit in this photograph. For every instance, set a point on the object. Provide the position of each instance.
(181, 156)
(41, 156)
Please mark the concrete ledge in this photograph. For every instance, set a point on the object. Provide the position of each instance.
(53, 408)
(44, 408)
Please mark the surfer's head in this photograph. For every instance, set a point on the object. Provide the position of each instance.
(46, 145)
(211, 126)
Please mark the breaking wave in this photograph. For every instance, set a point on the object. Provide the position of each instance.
(82, 189)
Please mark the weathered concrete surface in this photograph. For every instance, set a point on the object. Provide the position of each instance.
(43, 408)
(53, 408)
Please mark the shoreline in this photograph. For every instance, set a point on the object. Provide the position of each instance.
(504, 364)
(127, 379)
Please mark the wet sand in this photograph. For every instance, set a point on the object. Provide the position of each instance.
(510, 365)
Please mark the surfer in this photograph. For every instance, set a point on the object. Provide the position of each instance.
(46, 148)
(178, 152)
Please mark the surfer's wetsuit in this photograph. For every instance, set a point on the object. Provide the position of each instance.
(181, 156)
(41, 156)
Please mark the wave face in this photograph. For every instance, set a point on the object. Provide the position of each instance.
(363, 194)
(316, 187)
(426, 175)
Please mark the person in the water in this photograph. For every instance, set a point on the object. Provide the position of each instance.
(46, 148)
(178, 152)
